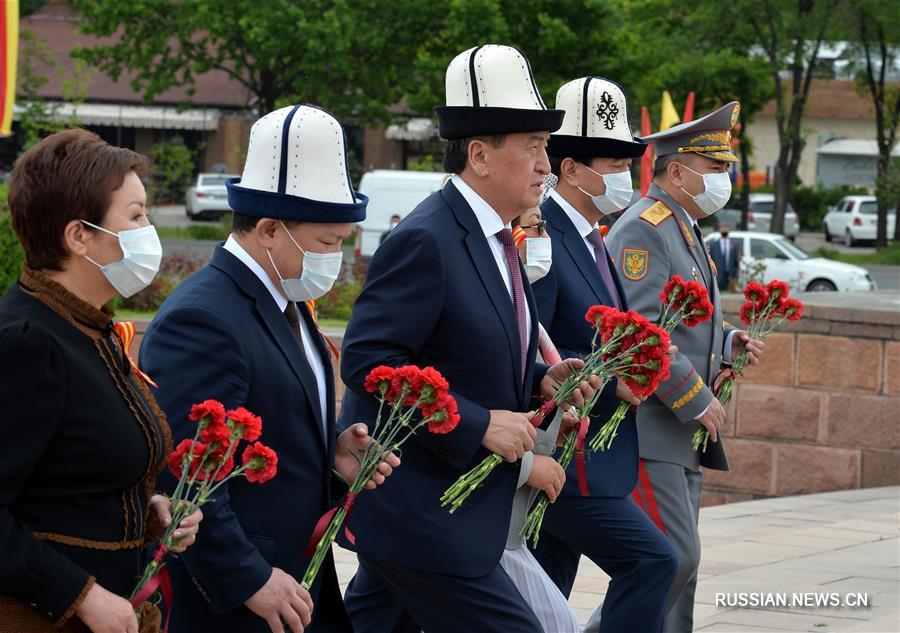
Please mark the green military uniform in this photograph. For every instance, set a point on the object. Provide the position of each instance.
(654, 240)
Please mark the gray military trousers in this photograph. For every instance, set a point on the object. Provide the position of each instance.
(676, 494)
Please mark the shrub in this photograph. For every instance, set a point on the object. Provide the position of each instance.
(173, 270)
(338, 303)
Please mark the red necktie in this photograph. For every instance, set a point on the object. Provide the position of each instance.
(603, 267)
(518, 290)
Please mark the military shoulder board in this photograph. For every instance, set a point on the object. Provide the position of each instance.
(656, 213)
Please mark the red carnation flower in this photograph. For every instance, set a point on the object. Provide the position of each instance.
(410, 378)
(673, 289)
(217, 432)
(379, 380)
(218, 457)
(596, 315)
(792, 309)
(777, 290)
(190, 453)
(445, 419)
(247, 426)
(261, 463)
(207, 412)
(700, 312)
(756, 294)
(434, 386)
(747, 312)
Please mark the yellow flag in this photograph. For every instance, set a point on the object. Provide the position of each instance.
(9, 48)
(668, 115)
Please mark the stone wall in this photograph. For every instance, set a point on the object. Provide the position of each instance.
(822, 411)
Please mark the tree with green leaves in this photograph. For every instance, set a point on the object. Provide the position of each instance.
(874, 31)
(690, 54)
(562, 41)
(790, 34)
(352, 57)
(40, 117)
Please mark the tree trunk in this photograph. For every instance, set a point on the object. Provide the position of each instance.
(881, 230)
(745, 174)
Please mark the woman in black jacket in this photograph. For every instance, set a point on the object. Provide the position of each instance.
(82, 436)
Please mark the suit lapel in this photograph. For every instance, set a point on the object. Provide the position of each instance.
(281, 332)
(325, 355)
(486, 266)
(277, 326)
(578, 251)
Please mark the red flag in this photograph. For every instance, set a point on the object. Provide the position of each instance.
(688, 108)
(647, 158)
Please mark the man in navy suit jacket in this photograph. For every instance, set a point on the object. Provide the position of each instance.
(726, 255)
(446, 289)
(595, 514)
(239, 331)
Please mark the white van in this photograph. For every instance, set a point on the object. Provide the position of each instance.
(391, 192)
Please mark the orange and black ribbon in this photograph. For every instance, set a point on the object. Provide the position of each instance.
(311, 305)
(125, 331)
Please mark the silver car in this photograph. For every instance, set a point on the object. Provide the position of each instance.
(208, 199)
(760, 216)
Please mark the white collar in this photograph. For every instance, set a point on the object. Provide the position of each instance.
(583, 227)
(488, 219)
(233, 247)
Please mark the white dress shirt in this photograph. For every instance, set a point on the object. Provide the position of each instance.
(309, 346)
(491, 224)
(583, 227)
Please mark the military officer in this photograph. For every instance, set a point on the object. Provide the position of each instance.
(655, 239)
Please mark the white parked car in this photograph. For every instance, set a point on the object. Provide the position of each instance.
(759, 216)
(208, 198)
(786, 261)
(855, 218)
(391, 192)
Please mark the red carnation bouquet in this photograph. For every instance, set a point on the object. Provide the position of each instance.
(203, 465)
(626, 345)
(460, 490)
(409, 398)
(765, 309)
(684, 302)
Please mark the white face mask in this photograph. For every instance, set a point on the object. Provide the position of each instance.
(618, 192)
(141, 255)
(317, 276)
(538, 257)
(716, 191)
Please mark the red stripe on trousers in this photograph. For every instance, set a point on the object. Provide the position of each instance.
(644, 497)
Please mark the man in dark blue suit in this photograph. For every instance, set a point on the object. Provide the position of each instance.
(726, 255)
(239, 331)
(446, 289)
(595, 515)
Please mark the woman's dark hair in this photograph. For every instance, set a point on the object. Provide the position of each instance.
(70, 175)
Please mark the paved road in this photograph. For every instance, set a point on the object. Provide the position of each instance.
(837, 542)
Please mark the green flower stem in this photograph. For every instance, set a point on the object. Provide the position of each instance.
(457, 493)
(384, 441)
(603, 439)
(532, 528)
(760, 327)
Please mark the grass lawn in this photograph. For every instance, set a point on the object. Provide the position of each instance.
(888, 256)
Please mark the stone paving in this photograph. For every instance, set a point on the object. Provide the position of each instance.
(841, 546)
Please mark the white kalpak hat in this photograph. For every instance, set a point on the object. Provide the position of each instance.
(296, 169)
(491, 90)
(596, 122)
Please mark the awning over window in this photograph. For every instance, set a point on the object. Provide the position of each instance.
(138, 116)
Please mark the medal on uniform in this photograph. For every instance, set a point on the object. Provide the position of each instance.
(694, 273)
